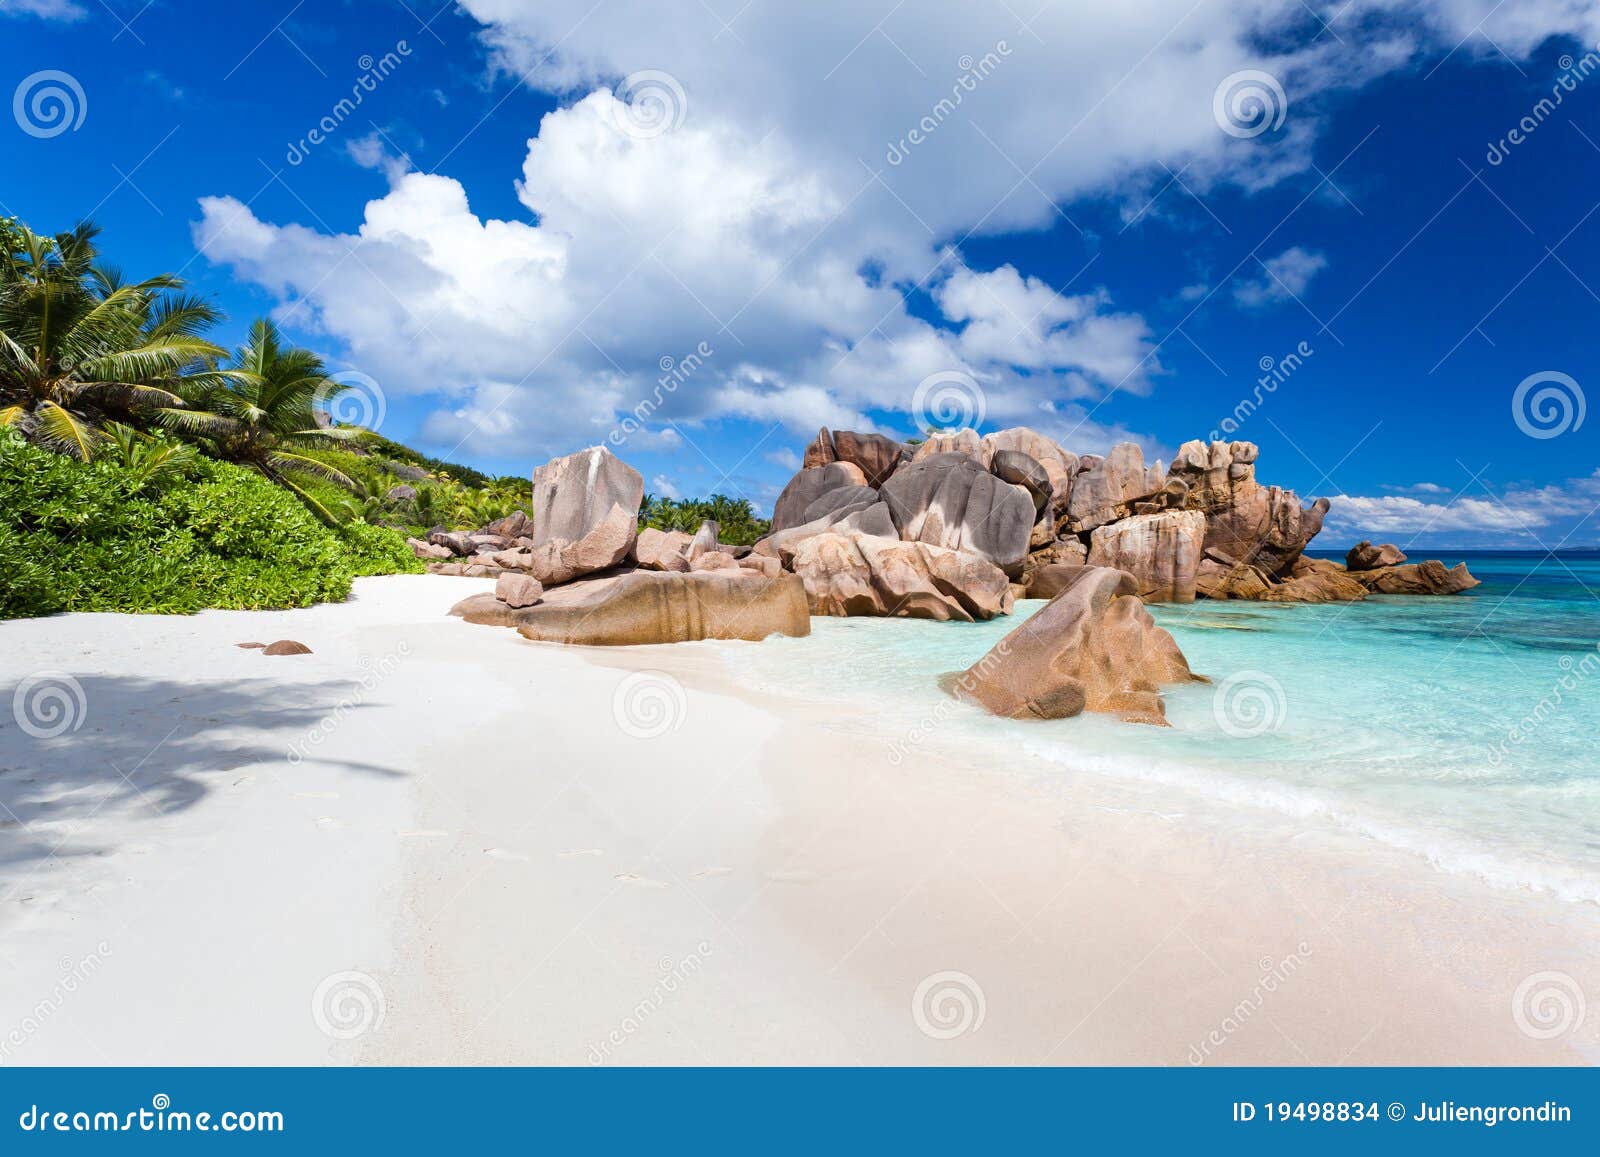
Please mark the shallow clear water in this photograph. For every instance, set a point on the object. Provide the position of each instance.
(1463, 728)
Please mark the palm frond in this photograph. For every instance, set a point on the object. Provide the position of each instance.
(284, 461)
(323, 514)
(197, 423)
(60, 427)
(160, 356)
(127, 395)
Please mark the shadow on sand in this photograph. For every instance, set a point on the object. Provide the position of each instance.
(143, 747)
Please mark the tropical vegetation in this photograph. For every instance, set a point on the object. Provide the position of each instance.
(736, 518)
(81, 346)
(151, 525)
(144, 467)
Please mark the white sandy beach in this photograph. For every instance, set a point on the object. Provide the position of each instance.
(486, 835)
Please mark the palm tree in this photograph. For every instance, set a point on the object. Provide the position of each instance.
(79, 346)
(149, 459)
(259, 411)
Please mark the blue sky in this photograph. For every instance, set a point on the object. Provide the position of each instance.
(533, 206)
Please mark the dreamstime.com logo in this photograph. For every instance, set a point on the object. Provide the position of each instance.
(923, 729)
(674, 974)
(1274, 373)
(48, 103)
(1547, 1005)
(946, 1005)
(1249, 703)
(1573, 73)
(48, 704)
(373, 672)
(1274, 974)
(373, 73)
(648, 704)
(1548, 404)
(347, 1005)
(159, 1117)
(649, 104)
(674, 372)
(74, 975)
(1574, 672)
(1248, 103)
(973, 73)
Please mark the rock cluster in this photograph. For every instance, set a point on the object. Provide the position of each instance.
(954, 528)
(579, 570)
(1202, 528)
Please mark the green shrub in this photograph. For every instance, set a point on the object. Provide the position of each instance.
(97, 536)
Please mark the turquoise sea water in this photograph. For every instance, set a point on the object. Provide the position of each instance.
(1465, 728)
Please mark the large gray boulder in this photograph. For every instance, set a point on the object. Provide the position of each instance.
(840, 502)
(872, 519)
(1093, 647)
(1058, 464)
(1106, 489)
(863, 574)
(1161, 551)
(876, 456)
(807, 486)
(1023, 470)
(950, 500)
(575, 494)
(585, 517)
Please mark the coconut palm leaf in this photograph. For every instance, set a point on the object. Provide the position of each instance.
(317, 508)
(81, 345)
(197, 423)
(162, 356)
(61, 427)
(282, 461)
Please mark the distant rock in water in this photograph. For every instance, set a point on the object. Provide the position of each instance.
(1364, 556)
(1094, 647)
(1418, 578)
(1316, 580)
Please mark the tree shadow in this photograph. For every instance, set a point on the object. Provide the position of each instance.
(74, 748)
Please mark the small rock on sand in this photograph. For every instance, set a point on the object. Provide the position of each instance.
(286, 647)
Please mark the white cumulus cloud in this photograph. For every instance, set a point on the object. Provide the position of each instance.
(771, 213)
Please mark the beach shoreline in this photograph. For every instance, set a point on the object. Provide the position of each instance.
(509, 852)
